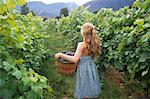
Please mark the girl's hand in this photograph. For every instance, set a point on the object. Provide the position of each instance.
(58, 55)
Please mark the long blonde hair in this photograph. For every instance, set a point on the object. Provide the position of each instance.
(88, 32)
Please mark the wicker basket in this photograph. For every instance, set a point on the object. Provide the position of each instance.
(65, 67)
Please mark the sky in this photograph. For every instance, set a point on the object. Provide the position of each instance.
(79, 2)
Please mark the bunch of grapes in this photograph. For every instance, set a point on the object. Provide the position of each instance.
(67, 53)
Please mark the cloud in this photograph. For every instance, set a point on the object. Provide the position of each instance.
(79, 2)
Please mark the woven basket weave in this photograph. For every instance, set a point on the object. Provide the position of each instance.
(65, 67)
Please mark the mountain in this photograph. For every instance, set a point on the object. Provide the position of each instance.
(48, 10)
(96, 5)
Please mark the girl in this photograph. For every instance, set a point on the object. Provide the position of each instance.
(87, 79)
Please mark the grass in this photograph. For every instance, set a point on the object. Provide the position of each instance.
(63, 86)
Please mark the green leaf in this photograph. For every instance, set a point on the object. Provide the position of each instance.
(20, 38)
(147, 35)
(21, 97)
(37, 87)
(10, 16)
(132, 33)
(142, 67)
(21, 2)
(139, 22)
(148, 1)
(19, 61)
(135, 4)
(7, 66)
(17, 74)
(3, 17)
(2, 82)
(2, 48)
(32, 95)
(11, 22)
(145, 72)
(144, 56)
(147, 25)
(26, 80)
(129, 41)
(43, 79)
(121, 45)
(10, 4)
(49, 89)
(2, 8)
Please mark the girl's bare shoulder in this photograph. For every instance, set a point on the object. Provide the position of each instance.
(81, 45)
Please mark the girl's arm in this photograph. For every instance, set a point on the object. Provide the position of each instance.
(73, 59)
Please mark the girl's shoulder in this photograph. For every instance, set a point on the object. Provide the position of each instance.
(82, 44)
(84, 49)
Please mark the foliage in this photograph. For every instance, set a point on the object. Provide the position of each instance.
(70, 26)
(51, 25)
(24, 9)
(125, 40)
(64, 11)
(21, 50)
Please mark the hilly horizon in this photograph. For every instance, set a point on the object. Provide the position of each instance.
(53, 9)
(48, 10)
(96, 5)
